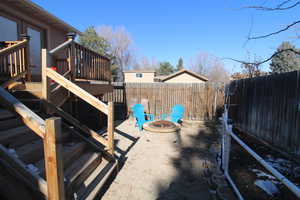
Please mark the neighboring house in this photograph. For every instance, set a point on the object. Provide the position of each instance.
(45, 30)
(184, 76)
(139, 76)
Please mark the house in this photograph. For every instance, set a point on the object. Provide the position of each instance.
(184, 76)
(19, 18)
(139, 76)
(45, 75)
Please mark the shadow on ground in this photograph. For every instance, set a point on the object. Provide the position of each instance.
(121, 157)
(193, 165)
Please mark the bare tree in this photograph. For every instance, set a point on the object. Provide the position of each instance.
(119, 48)
(210, 66)
(270, 6)
(201, 63)
(145, 63)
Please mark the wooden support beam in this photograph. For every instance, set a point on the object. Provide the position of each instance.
(110, 127)
(45, 79)
(53, 159)
(78, 124)
(77, 90)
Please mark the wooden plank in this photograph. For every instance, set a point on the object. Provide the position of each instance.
(10, 135)
(45, 79)
(81, 169)
(5, 114)
(76, 123)
(32, 120)
(31, 152)
(13, 80)
(94, 89)
(77, 91)
(53, 159)
(110, 128)
(32, 180)
(9, 123)
(70, 154)
(96, 180)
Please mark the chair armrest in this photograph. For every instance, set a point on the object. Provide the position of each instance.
(151, 116)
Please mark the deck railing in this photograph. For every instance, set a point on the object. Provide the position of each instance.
(14, 59)
(82, 62)
(91, 65)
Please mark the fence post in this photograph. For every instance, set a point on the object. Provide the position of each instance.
(110, 127)
(53, 159)
(226, 142)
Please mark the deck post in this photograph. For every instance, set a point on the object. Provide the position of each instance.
(45, 78)
(71, 55)
(110, 127)
(27, 56)
(53, 159)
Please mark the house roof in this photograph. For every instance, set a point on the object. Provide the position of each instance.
(35, 10)
(139, 71)
(185, 71)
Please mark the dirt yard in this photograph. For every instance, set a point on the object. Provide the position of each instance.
(164, 166)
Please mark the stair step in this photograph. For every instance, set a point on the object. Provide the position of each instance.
(33, 104)
(81, 169)
(8, 136)
(31, 152)
(70, 153)
(92, 185)
(5, 114)
(23, 139)
(10, 123)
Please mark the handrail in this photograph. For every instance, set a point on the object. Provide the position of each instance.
(32, 120)
(77, 90)
(61, 46)
(15, 46)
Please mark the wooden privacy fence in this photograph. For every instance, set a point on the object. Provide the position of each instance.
(269, 108)
(200, 100)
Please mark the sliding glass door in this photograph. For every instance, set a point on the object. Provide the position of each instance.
(8, 29)
(35, 46)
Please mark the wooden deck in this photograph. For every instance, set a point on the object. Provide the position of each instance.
(35, 88)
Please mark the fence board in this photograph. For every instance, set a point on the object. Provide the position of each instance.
(198, 99)
(268, 108)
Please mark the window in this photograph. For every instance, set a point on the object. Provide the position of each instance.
(139, 75)
(9, 29)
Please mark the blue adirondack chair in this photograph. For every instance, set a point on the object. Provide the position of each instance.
(140, 115)
(176, 114)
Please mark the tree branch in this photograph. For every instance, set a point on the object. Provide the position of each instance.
(276, 32)
(278, 7)
(263, 61)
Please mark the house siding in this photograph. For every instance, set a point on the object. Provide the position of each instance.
(130, 77)
(51, 36)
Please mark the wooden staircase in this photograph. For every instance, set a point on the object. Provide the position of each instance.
(86, 165)
(46, 152)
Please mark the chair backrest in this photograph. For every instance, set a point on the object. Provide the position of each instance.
(177, 112)
(138, 110)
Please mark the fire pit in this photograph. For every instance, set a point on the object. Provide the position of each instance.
(161, 126)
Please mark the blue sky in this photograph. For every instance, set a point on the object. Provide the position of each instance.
(169, 29)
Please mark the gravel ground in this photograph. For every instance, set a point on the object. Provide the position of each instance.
(164, 166)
